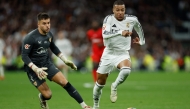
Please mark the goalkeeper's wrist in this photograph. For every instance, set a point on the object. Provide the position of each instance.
(32, 66)
(62, 57)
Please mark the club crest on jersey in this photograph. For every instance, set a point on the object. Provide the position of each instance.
(26, 46)
(35, 83)
(49, 39)
(127, 25)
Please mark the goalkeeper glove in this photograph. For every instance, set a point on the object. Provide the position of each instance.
(67, 62)
(39, 71)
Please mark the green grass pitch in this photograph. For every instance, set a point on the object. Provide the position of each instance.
(142, 90)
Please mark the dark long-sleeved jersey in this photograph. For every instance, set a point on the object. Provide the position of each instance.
(35, 48)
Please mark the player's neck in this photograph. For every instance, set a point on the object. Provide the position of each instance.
(41, 32)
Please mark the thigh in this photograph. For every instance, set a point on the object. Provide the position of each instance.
(123, 61)
(52, 71)
(39, 84)
(104, 69)
(106, 64)
(60, 79)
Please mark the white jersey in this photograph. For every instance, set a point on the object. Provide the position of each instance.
(65, 46)
(112, 32)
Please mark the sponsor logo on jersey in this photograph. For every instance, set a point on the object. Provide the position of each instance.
(35, 83)
(41, 50)
(114, 25)
(26, 46)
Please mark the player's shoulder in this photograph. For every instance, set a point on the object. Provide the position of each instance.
(108, 17)
(89, 31)
(50, 36)
(131, 17)
(31, 34)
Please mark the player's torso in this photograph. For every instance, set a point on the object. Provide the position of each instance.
(39, 53)
(41, 44)
(96, 39)
(95, 35)
(126, 24)
(120, 42)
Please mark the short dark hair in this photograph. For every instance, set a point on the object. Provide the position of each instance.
(42, 16)
(118, 2)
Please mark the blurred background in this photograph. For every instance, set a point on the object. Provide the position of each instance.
(166, 25)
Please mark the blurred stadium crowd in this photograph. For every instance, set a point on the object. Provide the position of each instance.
(159, 19)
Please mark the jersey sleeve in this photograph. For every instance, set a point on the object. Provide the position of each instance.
(106, 29)
(139, 30)
(26, 49)
(54, 48)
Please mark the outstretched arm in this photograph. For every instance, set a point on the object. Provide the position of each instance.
(67, 62)
(58, 53)
(138, 28)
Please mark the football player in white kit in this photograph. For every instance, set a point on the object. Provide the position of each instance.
(116, 32)
(66, 48)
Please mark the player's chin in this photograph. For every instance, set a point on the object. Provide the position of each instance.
(120, 18)
(47, 30)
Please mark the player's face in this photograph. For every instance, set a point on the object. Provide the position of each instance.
(119, 12)
(95, 25)
(44, 26)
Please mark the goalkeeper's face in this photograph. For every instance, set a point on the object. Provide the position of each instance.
(119, 12)
(44, 26)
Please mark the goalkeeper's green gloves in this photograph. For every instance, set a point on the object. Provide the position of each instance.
(40, 72)
(67, 62)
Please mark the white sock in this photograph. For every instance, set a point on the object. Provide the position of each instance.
(83, 104)
(123, 74)
(97, 91)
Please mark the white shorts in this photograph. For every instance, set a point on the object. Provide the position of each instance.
(110, 60)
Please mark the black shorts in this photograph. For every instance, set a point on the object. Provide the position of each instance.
(52, 70)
